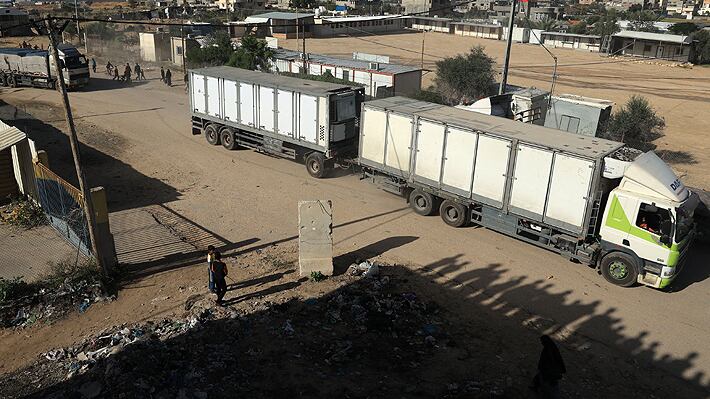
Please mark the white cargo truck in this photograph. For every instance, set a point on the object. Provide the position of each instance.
(567, 193)
(36, 68)
(288, 117)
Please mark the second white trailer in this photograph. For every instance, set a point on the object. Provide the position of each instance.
(521, 169)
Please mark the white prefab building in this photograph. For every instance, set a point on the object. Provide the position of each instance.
(571, 40)
(430, 24)
(482, 30)
(334, 26)
(379, 79)
(651, 45)
(154, 46)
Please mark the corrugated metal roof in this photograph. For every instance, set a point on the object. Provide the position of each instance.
(394, 69)
(271, 80)
(571, 35)
(483, 24)
(282, 15)
(658, 37)
(336, 20)
(10, 136)
(589, 147)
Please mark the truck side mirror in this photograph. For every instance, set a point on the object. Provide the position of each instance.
(666, 240)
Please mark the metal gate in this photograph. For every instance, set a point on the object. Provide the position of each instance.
(64, 206)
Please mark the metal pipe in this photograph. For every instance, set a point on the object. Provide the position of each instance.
(506, 60)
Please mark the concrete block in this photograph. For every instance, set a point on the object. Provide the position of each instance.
(315, 237)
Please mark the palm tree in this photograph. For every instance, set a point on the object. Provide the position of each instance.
(548, 25)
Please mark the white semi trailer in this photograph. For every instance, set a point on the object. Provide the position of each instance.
(287, 117)
(566, 193)
(36, 68)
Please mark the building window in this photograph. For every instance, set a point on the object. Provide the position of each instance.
(178, 50)
(569, 123)
(346, 75)
(646, 48)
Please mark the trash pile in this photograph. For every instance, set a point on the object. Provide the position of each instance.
(48, 304)
(383, 339)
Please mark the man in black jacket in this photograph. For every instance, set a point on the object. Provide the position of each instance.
(219, 272)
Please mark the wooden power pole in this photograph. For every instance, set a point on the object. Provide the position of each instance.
(52, 31)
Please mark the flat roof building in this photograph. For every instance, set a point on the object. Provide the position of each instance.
(478, 29)
(572, 40)
(651, 45)
(357, 25)
(284, 25)
(430, 24)
(10, 17)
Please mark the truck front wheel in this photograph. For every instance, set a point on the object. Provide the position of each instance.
(316, 165)
(453, 214)
(619, 269)
(211, 134)
(422, 202)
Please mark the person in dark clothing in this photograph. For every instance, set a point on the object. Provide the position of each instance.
(210, 258)
(109, 68)
(168, 78)
(219, 271)
(137, 70)
(115, 73)
(93, 65)
(162, 74)
(550, 369)
(127, 73)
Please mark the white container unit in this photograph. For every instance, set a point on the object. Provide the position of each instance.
(533, 172)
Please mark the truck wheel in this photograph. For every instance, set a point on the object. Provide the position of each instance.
(619, 268)
(453, 214)
(316, 165)
(3, 80)
(227, 138)
(11, 81)
(421, 202)
(211, 134)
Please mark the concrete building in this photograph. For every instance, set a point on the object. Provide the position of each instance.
(232, 5)
(576, 114)
(474, 29)
(686, 8)
(570, 40)
(427, 7)
(10, 16)
(379, 79)
(651, 45)
(16, 167)
(623, 4)
(704, 8)
(180, 46)
(430, 24)
(530, 10)
(284, 25)
(334, 26)
(154, 46)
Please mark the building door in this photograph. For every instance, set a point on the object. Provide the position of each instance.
(8, 184)
(659, 52)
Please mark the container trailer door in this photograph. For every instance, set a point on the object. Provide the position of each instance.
(459, 157)
(308, 118)
(569, 192)
(198, 93)
(285, 112)
(372, 139)
(429, 152)
(399, 143)
(231, 101)
(266, 108)
(491, 170)
(531, 177)
(213, 100)
(246, 104)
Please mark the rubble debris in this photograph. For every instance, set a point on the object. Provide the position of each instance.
(364, 269)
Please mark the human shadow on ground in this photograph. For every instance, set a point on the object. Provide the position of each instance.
(449, 329)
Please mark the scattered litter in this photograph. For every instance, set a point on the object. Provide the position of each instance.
(364, 269)
(84, 305)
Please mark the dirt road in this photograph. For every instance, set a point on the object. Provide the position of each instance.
(680, 95)
(245, 197)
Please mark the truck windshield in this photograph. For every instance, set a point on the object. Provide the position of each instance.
(654, 220)
(75, 62)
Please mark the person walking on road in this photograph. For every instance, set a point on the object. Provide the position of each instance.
(127, 73)
(550, 369)
(137, 69)
(162, 74)
(109, 68)
(142, 74)
(168, 78)
(115, 74)
(93, 65)
(210, 258)
(219, 270)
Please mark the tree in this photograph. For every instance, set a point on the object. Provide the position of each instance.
(252, 54)
(132, 3)
(217, 51)
(635, 124)
(607, 25)
(579, 28)
(465, 77)
(701, 47)
(548, 25)
(683, 28)
(643, 21)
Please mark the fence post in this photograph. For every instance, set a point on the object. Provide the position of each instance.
(104, 238)
(42, 158)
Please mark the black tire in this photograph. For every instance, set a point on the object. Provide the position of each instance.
(453, 213)
(3, 80)
(619, 269)
(11, 81)
(316, 165)
(422, 202)
(226, 136)
(211, 134)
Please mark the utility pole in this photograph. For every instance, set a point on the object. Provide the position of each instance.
(74, 142)
(506, 60)
(182, 39)
(423, 37)
(305, 55)
(76, 16)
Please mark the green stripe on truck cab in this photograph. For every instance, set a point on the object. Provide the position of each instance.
(618, 220)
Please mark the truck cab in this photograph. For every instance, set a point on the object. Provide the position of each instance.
(647, 225)
(74, 65)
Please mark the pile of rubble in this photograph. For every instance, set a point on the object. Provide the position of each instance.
(48, 304)
(366, 331)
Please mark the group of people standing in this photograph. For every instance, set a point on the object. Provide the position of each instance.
(166, 76)
(113, 70)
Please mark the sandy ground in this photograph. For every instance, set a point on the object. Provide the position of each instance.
(140, 148)
(680, 95)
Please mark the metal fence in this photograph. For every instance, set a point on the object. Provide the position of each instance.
(64, 206)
